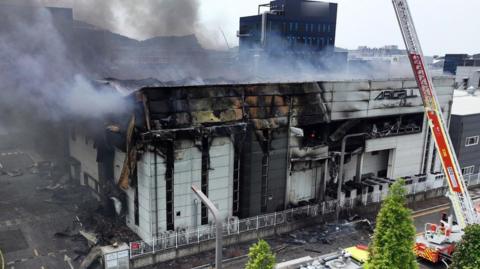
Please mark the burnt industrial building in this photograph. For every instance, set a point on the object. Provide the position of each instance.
(252, 148)
(275, 140)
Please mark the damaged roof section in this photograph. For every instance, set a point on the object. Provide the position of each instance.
(270, 105)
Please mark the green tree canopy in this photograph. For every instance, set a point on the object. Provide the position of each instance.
(467, 252)
(260, 256)
(394, 236)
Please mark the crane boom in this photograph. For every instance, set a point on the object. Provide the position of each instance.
(461, 201)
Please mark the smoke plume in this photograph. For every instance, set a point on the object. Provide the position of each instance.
(141, 19)
(43, 74)
(40, 78)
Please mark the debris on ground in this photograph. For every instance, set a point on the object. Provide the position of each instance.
(14, 173)
(326, 234)
(91, 237)
(46, 169)
(94, 225)
(91, 258)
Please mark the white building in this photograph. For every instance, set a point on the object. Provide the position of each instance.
(259, 148)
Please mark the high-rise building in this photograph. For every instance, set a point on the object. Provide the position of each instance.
(298, 26)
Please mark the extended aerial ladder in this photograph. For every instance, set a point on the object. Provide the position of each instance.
(462, 204)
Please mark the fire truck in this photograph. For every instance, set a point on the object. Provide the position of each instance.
(438, 241)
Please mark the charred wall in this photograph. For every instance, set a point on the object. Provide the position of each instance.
(263, 176)
(256, 118)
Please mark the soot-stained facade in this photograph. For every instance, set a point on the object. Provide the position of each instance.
(256, 148)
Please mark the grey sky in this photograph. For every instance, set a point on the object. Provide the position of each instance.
(444, 26)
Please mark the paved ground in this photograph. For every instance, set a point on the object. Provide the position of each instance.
(30, 216)
(29, 219)
(286, 248)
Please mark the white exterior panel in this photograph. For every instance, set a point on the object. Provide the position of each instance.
(187, 172)
(220, 185)
(83, 150)
(407, 150)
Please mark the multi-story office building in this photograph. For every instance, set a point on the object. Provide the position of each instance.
(298, 26)
(452, 61)
(465, 130)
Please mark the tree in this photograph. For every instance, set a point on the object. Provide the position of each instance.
(260, 256)
(394, 236)
(467, 252)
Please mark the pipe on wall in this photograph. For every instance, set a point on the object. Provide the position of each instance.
(340, 172)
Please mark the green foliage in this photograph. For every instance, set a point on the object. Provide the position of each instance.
(394, 236)
(260, 256)
(467, 252)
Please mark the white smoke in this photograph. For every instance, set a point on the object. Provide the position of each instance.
(141, 19)
(39, 76)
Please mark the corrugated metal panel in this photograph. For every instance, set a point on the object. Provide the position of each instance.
(351, 96)
(385, 85)
(347, 106)
(350, 86)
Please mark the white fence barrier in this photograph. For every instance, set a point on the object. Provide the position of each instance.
(175, 239)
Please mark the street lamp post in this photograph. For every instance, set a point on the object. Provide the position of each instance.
(218, 223)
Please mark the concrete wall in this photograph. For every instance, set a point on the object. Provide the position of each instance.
(251, 186)
(187, 172)
(118, 160)
(373, 162)
(305, 184)
(130, 215)
(175, 253)
(83, 150)
(470, 72)
(145, 174)
(220, 183)
(405, 153)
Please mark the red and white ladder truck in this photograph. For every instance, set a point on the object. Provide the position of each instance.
(438, 240)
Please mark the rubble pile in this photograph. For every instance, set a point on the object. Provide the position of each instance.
(14, 163)
(95, 223)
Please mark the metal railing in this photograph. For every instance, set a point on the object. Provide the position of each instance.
(472, 180)
(175, 239)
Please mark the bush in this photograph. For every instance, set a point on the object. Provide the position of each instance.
(394, 236)
(467, 252)
(260, 256)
